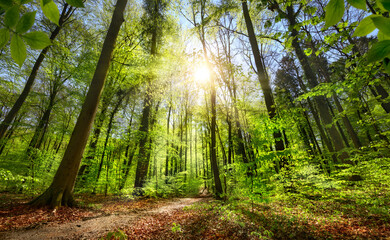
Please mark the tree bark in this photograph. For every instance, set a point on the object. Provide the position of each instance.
(167, 145)
(213, 147)
(142, 165)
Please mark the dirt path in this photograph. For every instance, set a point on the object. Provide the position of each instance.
(92, 228)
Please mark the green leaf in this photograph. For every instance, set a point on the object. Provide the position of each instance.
(26, 22)
(267, 24)
(378, 51)
(334, 11)
(386, 63)
(365, 27)
(44, 2)
(308, 51)
(50, 10)
(37, 40)
(385, 4)
(11, 16)
(25, 1)
(361, 4)
(75, 3)
(382, 36)
(4, 37)
(18, 50)
(6, 3)
(382, 23)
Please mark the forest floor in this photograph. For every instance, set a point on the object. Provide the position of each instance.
(100, 217)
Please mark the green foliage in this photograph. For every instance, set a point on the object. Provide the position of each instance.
(116, 235)
(6, 3)
(334, 12)
(172, 186)
(4, 37)
(50, 9)
(11, 16)
(361, 4)
(18, 49)
(365, 27)
(76, 3)
(385, 4)
(26, 22)
(379, 51)
(176, 228)
(37, 40)
(382, 23)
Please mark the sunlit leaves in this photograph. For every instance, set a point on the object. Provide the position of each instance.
(379, 51)
(11, 17)
(365, 27)
(361, 4)
(50, 10)
(18, 49)
(334, 12)
(308, 51)
(26, 22)
(382, 24)
(4, 37)
(75, 3)
(37, 40)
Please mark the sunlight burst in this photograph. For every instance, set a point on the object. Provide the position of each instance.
(202, 74)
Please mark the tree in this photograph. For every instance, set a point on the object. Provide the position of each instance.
(60, 192)
(154, 17)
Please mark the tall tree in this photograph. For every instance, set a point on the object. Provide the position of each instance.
(154, 10)
(263, 79)
(60, 192)
(213, 93)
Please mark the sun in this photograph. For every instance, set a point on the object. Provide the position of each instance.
(202, 73)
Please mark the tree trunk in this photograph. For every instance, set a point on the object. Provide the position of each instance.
(213, 147)
(144, 149)
(323, 109)
(60, 191)
(39, 133)
(341, 131)
(167, 150)
(126, 170)
(263, 79)
(351, 131)
(99, 121)
(108, 134)
(196, 152)
(186, 142)
(142, 165)
(11, 131)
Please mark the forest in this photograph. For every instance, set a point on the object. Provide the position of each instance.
(194, 119)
